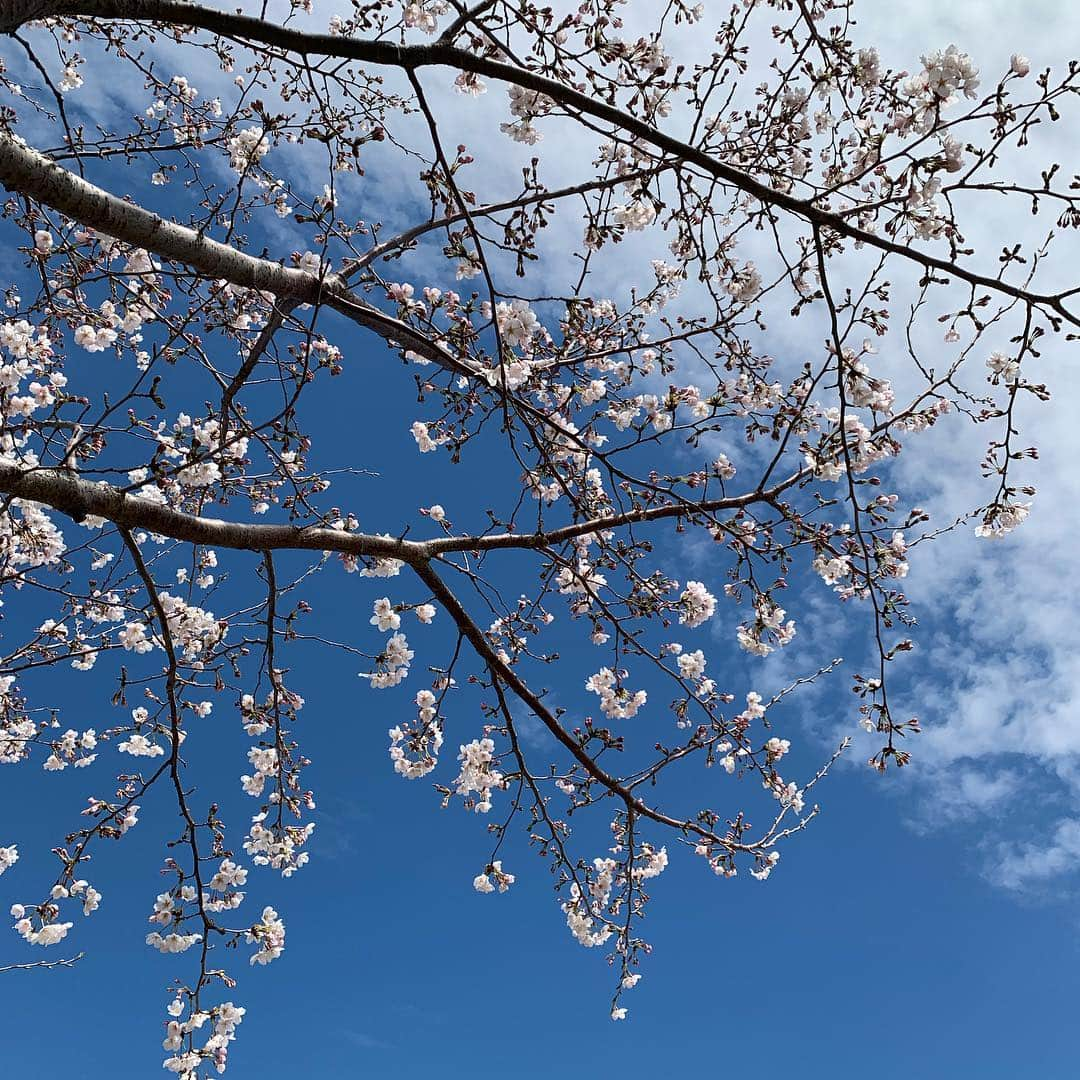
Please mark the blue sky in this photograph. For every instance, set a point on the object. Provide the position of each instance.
(901, 935)
(875, 951)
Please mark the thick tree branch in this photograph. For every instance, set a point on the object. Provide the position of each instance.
(65, 491)
(439, 54)
(28, 172)
(78, 498)
(475, 636)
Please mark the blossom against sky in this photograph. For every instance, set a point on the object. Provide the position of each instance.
(883, 942)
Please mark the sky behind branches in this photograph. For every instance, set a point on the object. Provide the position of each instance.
(925, 925)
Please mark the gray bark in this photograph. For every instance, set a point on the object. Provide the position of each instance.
(26, 171)
(66, 492)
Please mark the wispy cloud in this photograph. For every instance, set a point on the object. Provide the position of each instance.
(1021, 866)
(999, 659)
(365, 1041)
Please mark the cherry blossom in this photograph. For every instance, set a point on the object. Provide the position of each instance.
(675, 367)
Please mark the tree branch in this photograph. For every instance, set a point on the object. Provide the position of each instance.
(439, 54)
(510, 678)
(28, 172)
(46, 964)
(64, 491)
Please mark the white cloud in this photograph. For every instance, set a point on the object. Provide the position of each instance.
(1023, 865)
(999, 676)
